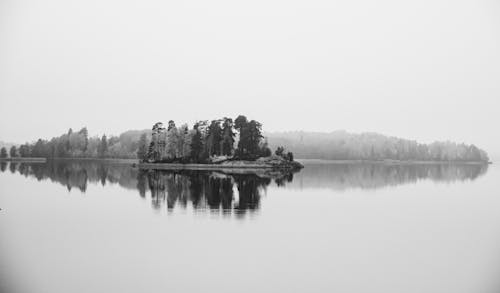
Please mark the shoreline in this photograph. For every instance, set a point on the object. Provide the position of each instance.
(239, 164)
(178, 166)
(391, 162)
(24, 160)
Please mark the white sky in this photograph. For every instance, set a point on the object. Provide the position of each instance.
(425, 70)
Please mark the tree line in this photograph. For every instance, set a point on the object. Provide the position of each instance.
(240, 138)
(78, 144)
(341, 145)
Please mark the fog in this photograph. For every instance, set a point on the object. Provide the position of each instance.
(424, 70)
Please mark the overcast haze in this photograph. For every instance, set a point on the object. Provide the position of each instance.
(425, 70)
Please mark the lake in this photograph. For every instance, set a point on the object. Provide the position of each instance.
(83, 226)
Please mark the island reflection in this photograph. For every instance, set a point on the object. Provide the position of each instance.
(235, 193)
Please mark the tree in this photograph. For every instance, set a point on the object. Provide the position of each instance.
(279, 151)
(3, 153)
(25, 151)
(265, 151)
(13, 151)
(157, 145)
(38, 149)
(68, 142)
(102, 150)
(196, 144)
(255, 136)
(85, 136)
(241, 125)
(214, 138)
(239, 122)
(250, 137)
(171, 124)
(186, 142)
(142, 152)
(172, 146)
(227, 143)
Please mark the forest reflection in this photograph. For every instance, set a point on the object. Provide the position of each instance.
(203, 190)
(379, 175)
(234, 193)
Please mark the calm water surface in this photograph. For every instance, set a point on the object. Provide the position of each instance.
(94, 227)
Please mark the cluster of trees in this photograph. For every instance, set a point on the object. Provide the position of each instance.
(13, 152)
(280, 151)
(341, 145)
(204, 140)
(78, 144)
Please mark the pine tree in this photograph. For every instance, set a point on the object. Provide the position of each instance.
(157, 146)
(196, 145)
(85, 135)
(214, 138)
(172, 143)
(186, 142)
(227, 137)
(241, 125)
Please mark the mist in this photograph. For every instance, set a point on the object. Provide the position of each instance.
(427, 70)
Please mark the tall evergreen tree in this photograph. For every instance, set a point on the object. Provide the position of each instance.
(214, 138)
(250, 137)
(241, 125)
(227, 137)
(157, 145)
(196, 145)
(68, 144)
(186, 141)
(254, 137)
(85, 135)
(172, 150)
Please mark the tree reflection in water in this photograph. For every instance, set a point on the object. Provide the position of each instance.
(236, 193)
(213, 191)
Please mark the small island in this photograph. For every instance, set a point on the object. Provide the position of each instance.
(222, 144)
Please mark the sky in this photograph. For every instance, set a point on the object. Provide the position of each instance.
(424, 70)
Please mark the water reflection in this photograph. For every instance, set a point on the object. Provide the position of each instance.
(379, 175)
(235, 192)
(203, 190)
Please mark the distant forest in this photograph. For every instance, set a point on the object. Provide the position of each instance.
(242, 138)
(341, 145)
